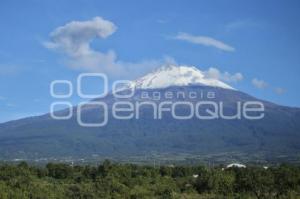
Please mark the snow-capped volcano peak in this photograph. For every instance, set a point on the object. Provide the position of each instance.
(172, 75)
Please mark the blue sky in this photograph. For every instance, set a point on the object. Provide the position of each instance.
(262, 36)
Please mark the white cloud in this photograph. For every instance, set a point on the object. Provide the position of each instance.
(74, 38)
(279, 90)
(260, 84)
(214, 73)
(74, 41)
(204, 40)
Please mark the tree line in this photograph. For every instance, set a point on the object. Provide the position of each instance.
(129, 181)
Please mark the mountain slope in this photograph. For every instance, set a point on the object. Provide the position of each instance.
(276, 137)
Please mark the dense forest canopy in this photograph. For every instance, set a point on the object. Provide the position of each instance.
(111, 180)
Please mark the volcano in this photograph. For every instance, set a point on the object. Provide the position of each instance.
(273, 138)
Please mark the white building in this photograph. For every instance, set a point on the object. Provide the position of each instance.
(236, 165)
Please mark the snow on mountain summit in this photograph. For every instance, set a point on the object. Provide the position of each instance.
(176, 76)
